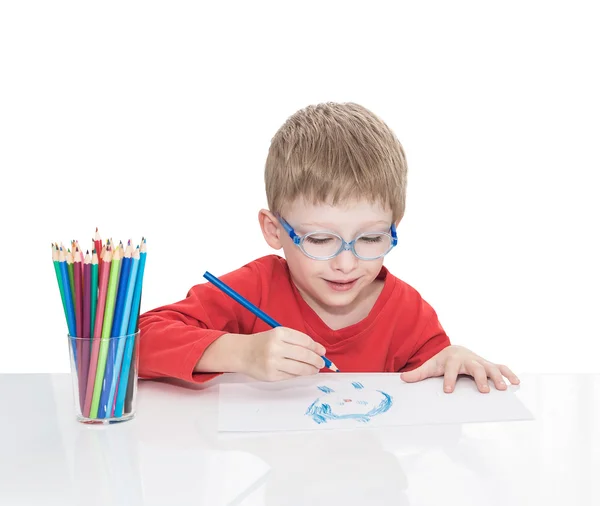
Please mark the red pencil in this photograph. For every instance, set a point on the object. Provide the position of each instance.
(102, 289)
(98, 244)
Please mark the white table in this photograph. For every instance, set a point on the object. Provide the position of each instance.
(172, 454)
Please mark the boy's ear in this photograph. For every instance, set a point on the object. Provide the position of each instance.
(269, 225)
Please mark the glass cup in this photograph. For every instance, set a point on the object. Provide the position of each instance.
(104, 374)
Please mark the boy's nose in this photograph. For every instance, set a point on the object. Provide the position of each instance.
(345, 261)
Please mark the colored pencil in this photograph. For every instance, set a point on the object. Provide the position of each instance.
(255, 310)
(122, 291)
(68, 294)
(135, 261)
(64, 275)
(87, 294)
(106, 403)
(98, 244)
(106, 328)
(59, 280)
(102, 291)
(79, 321)
(71, 280)
(84, 343)
(125, 388)
(78, 293)
(104, 250)
(94, 292)
(131, 384)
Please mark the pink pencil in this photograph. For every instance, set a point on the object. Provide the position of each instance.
(102, 289)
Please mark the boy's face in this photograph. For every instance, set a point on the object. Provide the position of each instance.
(340, 282)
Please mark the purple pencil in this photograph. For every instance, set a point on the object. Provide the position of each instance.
(77, 275)
(87, 297)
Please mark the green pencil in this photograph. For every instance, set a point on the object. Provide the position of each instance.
(59, 279)
(109, 312)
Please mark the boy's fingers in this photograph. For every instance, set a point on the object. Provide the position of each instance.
(319, 349)
(494, 372)
(451, 373)
(479, 374)
(507, 373)
(301, 354)
(297, 368)
(300, 339)
(425, 371)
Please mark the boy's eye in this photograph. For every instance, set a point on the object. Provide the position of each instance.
(370, 238)
(318, 240)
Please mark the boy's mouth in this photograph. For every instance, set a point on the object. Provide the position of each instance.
(341, 286)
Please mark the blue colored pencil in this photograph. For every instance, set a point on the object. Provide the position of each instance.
(105, 407)
(255, 310)
(135, 261)
(131, 329)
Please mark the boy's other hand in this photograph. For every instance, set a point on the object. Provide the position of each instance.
(281, 353)
(455, 360)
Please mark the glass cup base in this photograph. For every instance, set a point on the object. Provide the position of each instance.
(104, 377)
(104, 421)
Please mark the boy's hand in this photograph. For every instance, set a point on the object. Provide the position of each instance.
(281, 353)
(455, 360)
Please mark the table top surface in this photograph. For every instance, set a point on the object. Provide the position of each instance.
(171, 453)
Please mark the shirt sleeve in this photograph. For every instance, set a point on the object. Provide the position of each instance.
(433, 339)
(174, 337)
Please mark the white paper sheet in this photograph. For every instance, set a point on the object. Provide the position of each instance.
(345, 401)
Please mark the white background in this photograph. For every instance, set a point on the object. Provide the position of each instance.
(155, 118)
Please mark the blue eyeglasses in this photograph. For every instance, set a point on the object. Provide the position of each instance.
(322, 245)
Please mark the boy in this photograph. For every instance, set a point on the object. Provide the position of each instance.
(336, 182)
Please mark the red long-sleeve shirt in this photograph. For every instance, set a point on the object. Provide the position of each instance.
(400, 333)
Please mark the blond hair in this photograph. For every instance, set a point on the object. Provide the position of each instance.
(334, 153)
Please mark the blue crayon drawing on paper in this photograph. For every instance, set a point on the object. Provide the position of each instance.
(356, 403)
(325, 390)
